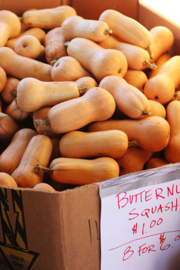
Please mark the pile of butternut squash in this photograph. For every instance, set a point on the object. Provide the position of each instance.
(84, 101)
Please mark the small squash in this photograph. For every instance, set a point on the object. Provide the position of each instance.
(78, 144)
(155, 162)
(7, 180)
(76, 26)
(43, 186)
(95, 105)
(128, 29)
(9, 92)
(67, 68)
(81, 171)
(33, 94)
(11, 156)
(29, 46)
(97, 60)
(47, 18)
(151, 133)
(129, 99)
(39, 151)
(8, 127)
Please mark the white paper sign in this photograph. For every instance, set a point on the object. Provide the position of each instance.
(140, 228)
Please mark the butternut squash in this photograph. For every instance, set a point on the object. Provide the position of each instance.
(47, 18)
(78, 144)
(7, 180)
(15, 112)
(11, 156)
(67, 68)
(157, 109)
(77, 26)
(38, 151)
(8, 127)
(133, 160)
(33, 94)
(39, 33)
(163, 40)
(22, 67)
(137, 57)
(3, 79)
(172, 151)
(29, 46)
(155, 162)
(95, 105)
(159, 62)
(89, 82)
(10, 26)
(137, 78)
(151, 133)
(9, 92)
(162, 87)
(81, 171)
(54, 45)
(42, 114)
(129, 99)
(98, 61)
(128, 29)
(43, 186)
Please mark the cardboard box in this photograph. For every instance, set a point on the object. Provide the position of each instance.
(61, 230)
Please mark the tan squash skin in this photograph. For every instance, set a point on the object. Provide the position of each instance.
(67, 68)
(38, 151)
(78, 144)
(15, 112)
(162, 87)
(29, 46)
(11, 156)
(152, 133)
(172, 151)
(95, 105)
(129, 99)
(159, 62)
(48, 18)
(10, 26)
(43, 186)
(137, 78)
(42, 113)
(128, 29)
(7, 180)
(3, 79)
(98, 61)
(54, 45)
(89, 82)
(9, 92)
(133, 160)
(155, 163)
(163, 40)
(82, 171)
(8, 127)
(137, 57)
(157, 109)
(76, 26)
(39, 33)
(33, 94)
(27, 67)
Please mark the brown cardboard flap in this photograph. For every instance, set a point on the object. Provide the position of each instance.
(93, 9)
(20, 6)
(149, 19)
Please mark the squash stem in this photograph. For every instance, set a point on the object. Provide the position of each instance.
(152, 66)
(150, 52)
(108, 31)
(177, 96)
(40, 122)
(66, 43)
(146, 113)
(54, 61)
(38, 168)
(133, 143)
(13, 93)
(82, 89)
